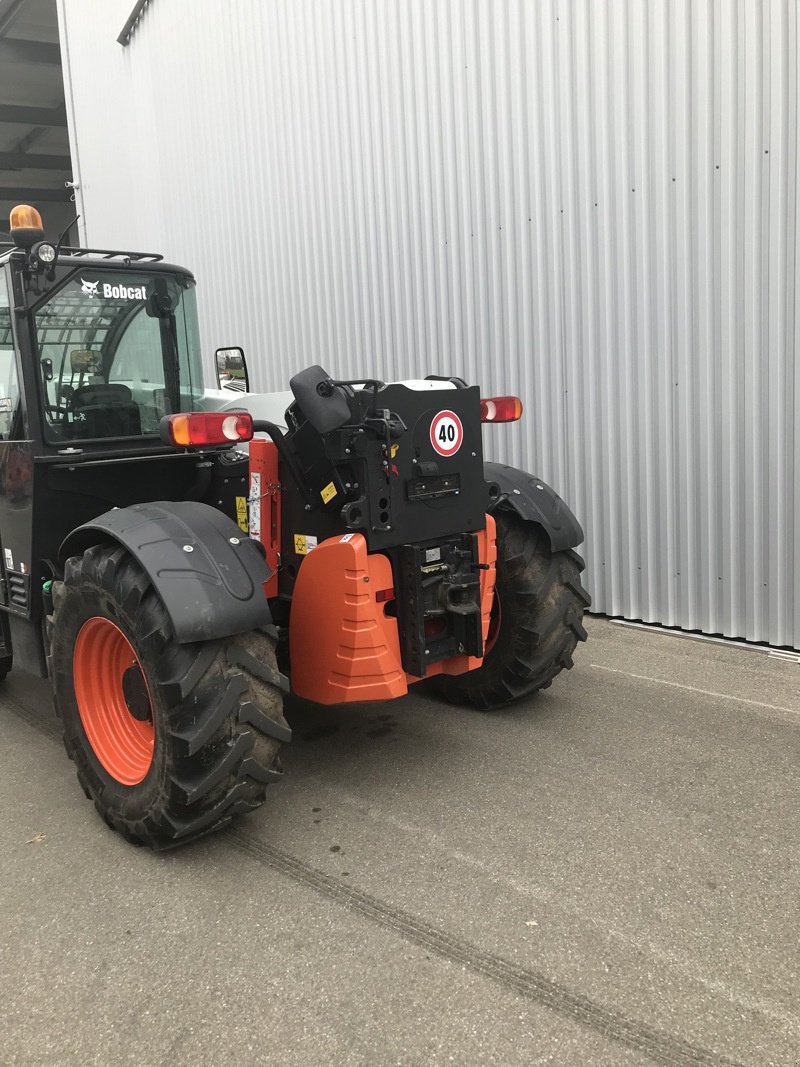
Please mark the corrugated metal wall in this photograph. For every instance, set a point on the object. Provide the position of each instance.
(591, 203)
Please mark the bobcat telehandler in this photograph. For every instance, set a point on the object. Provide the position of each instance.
(175, 559)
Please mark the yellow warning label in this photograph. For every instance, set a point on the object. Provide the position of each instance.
(305, 543)
(241, 512)
(328, 493)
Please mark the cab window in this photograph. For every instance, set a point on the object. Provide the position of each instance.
(107, 341)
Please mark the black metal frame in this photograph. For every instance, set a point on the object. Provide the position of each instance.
(67, 251)
(378, 474)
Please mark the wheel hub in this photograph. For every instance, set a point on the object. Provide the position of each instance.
(134, 689)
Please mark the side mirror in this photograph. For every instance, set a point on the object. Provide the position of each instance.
(322, 402)
(232, 369)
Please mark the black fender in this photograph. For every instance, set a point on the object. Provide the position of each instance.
(533, 500)
(208, 574)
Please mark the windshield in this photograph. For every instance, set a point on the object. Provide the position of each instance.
(118, 350)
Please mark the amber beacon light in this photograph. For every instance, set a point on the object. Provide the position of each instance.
(25, 225)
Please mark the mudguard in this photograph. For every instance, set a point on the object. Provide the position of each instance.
(209, 575)
(534, 500)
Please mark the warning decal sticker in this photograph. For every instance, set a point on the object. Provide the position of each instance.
(255, 504)
(447, 433)
(304, 543)
(328, 493)
(241, 513)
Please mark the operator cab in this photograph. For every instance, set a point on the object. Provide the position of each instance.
(111, 339)
(96, 348)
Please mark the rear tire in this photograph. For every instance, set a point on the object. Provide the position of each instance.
(184, 737)
(541, 603)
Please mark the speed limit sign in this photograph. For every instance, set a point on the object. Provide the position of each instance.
(447, 433)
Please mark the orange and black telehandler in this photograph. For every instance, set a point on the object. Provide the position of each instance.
(178, 559)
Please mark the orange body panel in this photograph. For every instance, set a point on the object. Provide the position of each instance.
(264, 512)
(343, 645)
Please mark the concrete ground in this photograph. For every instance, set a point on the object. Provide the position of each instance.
(605, 874)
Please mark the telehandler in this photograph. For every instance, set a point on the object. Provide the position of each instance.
(177, 559)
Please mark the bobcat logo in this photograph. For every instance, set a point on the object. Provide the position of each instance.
(89, 288)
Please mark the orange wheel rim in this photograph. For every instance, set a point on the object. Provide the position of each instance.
(113, 701)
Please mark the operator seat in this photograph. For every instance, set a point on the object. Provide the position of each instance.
(104, 411)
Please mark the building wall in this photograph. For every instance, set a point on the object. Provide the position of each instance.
(593, 204)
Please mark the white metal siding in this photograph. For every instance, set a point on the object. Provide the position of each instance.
(591, 203)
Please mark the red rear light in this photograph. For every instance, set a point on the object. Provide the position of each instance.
(207, 428)
(501, 409)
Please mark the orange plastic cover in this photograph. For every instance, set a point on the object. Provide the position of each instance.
(343, 645)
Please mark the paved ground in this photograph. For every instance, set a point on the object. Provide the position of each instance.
(607, 874)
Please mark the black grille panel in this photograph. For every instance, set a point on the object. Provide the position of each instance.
(18, 590)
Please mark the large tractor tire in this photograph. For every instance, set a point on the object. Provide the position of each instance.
(169, 741)
(536, 619)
